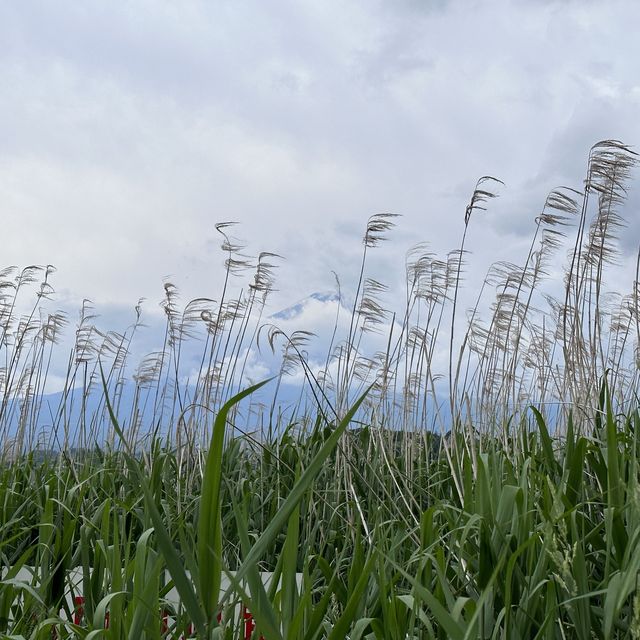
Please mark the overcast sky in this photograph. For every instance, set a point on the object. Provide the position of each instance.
(128, 129)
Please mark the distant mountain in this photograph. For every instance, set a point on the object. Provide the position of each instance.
(316, 313)
(299, 307)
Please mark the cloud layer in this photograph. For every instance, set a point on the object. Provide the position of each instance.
(130, 129)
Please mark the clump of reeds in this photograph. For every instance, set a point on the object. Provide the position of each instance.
(487, 488)
(542, 342)
(539, 538)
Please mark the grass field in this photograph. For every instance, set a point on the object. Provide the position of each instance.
(515, 513)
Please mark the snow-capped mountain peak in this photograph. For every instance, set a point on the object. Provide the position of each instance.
(316, 298)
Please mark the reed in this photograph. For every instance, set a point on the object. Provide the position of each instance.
(473, 479)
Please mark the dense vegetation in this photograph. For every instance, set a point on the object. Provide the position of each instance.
(514, 514)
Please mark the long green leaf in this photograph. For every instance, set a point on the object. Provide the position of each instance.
(300, 488)
(209, 550)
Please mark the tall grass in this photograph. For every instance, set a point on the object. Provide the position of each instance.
(488, 492)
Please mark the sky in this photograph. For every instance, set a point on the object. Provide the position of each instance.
(129, 129)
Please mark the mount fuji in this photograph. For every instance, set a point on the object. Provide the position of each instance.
(314, 300)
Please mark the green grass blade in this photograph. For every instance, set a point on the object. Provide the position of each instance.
(280, 519)
(175, 567)
(209, 545)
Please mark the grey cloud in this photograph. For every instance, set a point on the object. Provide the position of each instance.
(130, 129)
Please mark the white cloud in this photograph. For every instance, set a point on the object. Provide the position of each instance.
(130, 129)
